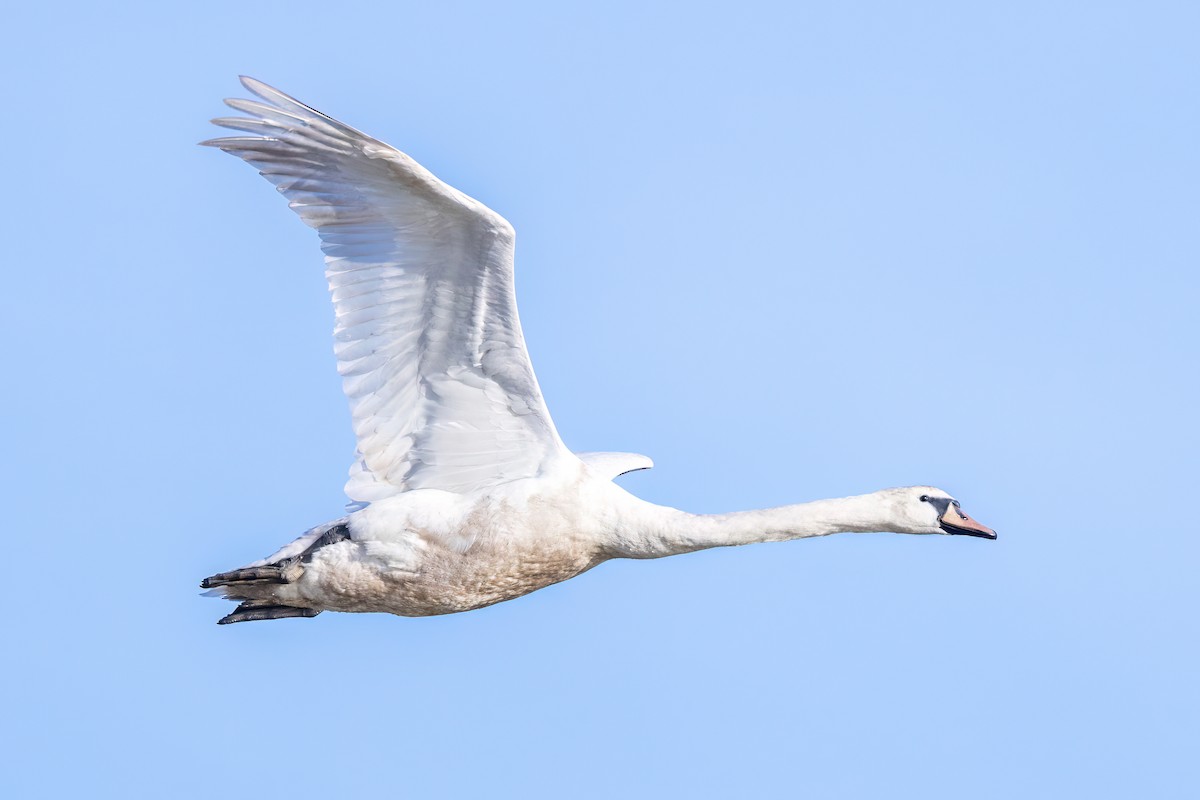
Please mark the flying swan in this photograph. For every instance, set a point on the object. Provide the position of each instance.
(462, 493)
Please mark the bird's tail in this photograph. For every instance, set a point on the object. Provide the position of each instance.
(257, 587)
(254, 586)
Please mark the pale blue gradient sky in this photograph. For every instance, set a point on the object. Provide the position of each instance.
(790, 252)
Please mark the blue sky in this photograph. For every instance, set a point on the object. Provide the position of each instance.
(790, 252)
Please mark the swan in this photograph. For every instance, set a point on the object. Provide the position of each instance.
(462, 493)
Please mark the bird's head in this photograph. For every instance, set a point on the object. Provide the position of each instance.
(925, 509)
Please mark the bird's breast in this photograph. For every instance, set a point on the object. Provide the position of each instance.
(487, 556)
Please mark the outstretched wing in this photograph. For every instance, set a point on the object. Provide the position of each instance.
(427, 339)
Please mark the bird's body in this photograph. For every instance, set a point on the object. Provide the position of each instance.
(463, 494)
(429, 551)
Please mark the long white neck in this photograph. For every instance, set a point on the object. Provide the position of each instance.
(650, 531)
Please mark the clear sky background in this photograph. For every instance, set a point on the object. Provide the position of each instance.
(790, 252)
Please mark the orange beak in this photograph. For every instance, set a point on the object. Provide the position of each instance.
(953, 520)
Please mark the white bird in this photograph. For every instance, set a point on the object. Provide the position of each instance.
(463, 494)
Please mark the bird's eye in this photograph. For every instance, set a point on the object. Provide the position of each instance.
(924, 498)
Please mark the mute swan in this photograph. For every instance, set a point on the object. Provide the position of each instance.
(462, 492)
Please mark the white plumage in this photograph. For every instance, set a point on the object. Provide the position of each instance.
(463, 493)
(427, 338)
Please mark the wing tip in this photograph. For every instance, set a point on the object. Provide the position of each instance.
(255, 85)
(612, 465)
(282, 101)
(231, 143)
